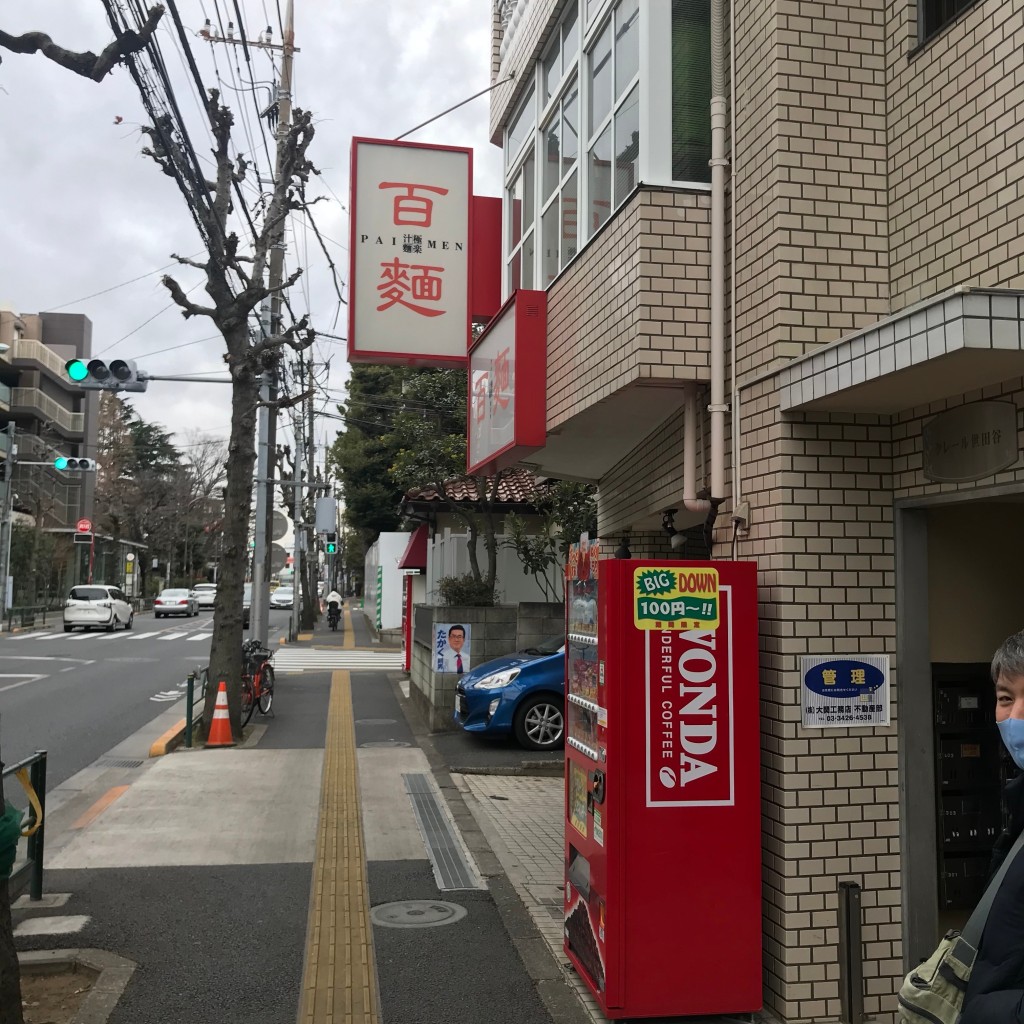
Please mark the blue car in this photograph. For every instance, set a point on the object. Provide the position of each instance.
(521, 693)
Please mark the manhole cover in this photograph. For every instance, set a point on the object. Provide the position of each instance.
(375, 721)
(417, 914)
(385, 743)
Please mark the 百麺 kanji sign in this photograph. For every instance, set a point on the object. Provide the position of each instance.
(410, 230)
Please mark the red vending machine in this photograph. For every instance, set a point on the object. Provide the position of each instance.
(662, 792)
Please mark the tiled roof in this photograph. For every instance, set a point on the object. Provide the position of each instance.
(516, 486)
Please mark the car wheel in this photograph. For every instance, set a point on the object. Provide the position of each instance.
(540, 722)
(131, 619)
(67, 629)
(157, 615)
(112, 624)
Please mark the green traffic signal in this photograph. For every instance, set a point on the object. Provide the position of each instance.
(77, 370)
(61, 463)
(332, 548)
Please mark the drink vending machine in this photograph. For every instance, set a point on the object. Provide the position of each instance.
(662, 784)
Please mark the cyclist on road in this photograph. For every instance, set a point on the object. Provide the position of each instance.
(333, 603)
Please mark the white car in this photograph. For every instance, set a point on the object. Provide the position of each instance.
(205, 594)
(282, 598)
(175, 602)
(97, 604)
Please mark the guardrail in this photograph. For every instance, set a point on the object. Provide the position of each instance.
(202, 676)
(27, 616)
(33, 864)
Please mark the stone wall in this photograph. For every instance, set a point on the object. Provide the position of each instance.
(493, 632)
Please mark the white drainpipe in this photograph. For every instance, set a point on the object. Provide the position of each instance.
(719, 164)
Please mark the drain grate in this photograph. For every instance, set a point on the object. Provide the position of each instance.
(452, 867)
(417, 914)
(384, 743)
(123, 762)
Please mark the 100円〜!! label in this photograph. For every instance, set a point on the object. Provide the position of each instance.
(675, 598)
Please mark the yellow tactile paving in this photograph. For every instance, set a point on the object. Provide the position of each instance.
(339, 984)
(350, 640)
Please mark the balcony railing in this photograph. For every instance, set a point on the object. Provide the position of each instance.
(5, 397)
(32, 398)
(36, 352)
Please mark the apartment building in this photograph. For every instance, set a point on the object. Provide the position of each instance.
(51, 416)
(782, 247)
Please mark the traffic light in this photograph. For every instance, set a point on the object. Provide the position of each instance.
(332, 547)
(82, 465)
(96, 375)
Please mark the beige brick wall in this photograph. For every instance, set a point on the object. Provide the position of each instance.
(810, 164)
(634, 305)
(956, 143)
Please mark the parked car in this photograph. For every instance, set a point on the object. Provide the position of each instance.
(282, 598)
(205, 594)
(97, 605)
(175, 602)
(521, 693)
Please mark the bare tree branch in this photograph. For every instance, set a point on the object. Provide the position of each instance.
(188, 307)
(189, 262)
(87, 64)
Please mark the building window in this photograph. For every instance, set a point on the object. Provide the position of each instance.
(613, 120)
(521, 232)
(560, 184)
(937, 14)
(691, 90)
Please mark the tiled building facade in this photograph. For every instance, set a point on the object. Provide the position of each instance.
(876, 250)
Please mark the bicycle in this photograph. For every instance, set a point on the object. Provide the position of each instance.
(257, 679)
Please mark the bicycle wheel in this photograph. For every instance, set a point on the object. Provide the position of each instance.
(247, 700)
(266, 690)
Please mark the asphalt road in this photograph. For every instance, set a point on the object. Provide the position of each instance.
(78, 695)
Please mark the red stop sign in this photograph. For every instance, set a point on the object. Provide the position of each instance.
(84, 525)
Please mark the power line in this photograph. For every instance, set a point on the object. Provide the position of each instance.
(114, 287)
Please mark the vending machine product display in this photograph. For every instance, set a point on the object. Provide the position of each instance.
(662, 784)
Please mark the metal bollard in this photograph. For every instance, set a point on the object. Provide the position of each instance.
(190, 688)
(851, 962)
(36, 842)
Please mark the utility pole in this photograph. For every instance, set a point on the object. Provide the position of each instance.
(312, 560)
(6, 525)
(271, 325)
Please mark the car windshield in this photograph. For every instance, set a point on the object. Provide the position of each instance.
(552, 645)
(174, 593)
(89, 594)
(283, 592)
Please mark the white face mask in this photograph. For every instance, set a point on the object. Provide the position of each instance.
(1012, 733)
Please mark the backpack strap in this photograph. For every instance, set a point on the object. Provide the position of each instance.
(976, 923)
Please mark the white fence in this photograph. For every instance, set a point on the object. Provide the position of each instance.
(448, 555)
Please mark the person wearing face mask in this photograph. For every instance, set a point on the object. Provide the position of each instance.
(995, 992)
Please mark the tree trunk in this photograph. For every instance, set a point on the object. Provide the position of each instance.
(226, 646)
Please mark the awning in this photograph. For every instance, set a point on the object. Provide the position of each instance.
(415, 556)
(963, 340)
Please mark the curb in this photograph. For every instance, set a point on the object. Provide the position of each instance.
(171, 739)
(112, 976)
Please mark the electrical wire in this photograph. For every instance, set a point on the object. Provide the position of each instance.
(114, 287)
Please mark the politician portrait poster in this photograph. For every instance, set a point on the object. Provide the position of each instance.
(451, 647)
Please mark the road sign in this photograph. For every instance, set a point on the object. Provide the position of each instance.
(82, 538)
(84, 526)
(130, 557)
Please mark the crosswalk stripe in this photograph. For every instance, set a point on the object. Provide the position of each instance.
(297, 660)
(142, 636)
(173, 636)
(201, 636)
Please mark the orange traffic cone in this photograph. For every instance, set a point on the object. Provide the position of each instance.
(220, 727)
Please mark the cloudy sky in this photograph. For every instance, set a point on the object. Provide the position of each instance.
(83, 211)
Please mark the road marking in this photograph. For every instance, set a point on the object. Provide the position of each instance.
(142, 636)
(201, 636)
(90, 815)
(45, 657)
(52, 925)
(173, 636)
(119, 635)
(25, 680)
(83, 636)
(167, 695)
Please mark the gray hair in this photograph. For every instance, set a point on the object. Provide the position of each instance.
(1009, 659)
